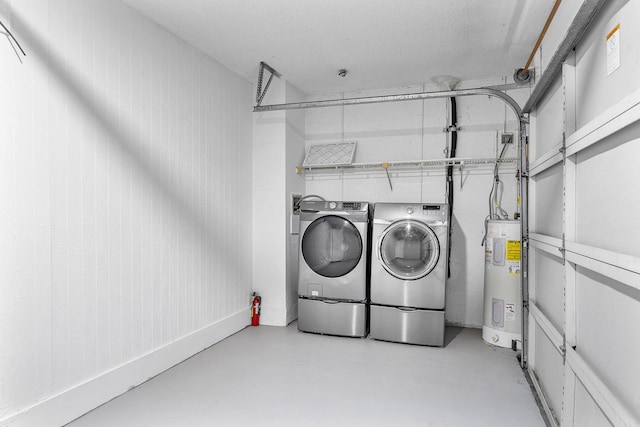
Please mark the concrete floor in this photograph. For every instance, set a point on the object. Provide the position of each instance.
(275, 376)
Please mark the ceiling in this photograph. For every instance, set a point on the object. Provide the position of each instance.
(381, 43)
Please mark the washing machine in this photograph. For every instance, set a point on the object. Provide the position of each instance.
(333, 279)
(409, 272)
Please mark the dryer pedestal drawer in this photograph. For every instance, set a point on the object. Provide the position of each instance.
(332, 317)
(412, 326)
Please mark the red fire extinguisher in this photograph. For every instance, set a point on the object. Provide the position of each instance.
(255, 309)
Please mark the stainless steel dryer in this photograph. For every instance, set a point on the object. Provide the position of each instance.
(408, 272)
(333, 268)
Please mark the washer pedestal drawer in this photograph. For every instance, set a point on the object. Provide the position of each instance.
(407, 325)
(332, 317)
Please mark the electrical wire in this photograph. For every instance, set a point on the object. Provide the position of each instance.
(13, 38)
(495, 208)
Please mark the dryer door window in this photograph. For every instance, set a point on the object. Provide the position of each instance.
(332, 246)
(408, 249)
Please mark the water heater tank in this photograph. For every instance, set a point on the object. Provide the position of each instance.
(502, 294)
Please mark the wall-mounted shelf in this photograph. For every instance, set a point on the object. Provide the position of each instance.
(411, 164)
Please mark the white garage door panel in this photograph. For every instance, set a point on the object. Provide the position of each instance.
(608, 315)
(549, 371)
(596, 90)
(606, 175)
(549, 287)
(548, 205)
(587, 413)
(549, 120)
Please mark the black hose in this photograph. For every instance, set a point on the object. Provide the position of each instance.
(452, 154)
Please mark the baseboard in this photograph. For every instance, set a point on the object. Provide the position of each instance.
(78, 400)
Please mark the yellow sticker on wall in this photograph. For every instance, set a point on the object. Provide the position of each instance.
(513, 250)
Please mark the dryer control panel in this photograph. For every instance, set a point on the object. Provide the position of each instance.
(351, 206)
(435, 212)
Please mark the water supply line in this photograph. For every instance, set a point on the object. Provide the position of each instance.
(12, 40)
(495, 208)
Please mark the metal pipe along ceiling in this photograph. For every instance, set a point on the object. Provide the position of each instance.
(397, 98)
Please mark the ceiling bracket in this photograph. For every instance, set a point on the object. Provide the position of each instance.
(261, 93)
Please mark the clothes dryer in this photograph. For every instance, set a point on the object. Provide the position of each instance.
(333, 283)
(408, 272)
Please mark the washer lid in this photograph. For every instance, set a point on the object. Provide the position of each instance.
(332, 246)
(408, 249)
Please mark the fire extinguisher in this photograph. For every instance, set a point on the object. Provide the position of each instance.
(255, 309)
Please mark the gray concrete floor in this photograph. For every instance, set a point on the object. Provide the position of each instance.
(271, 376)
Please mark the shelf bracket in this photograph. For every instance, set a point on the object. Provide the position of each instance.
(261, 93)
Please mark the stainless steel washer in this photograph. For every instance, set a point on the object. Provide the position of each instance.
(408, 272)
(333, 268)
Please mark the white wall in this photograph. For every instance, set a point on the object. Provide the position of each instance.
(585, 269)
(278, 146)
(124, 172)
(414, 131)
(294, 184)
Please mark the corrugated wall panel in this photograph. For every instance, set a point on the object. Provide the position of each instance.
(25, 233)
(122, 194)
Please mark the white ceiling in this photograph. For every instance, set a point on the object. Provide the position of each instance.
(382, 43)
